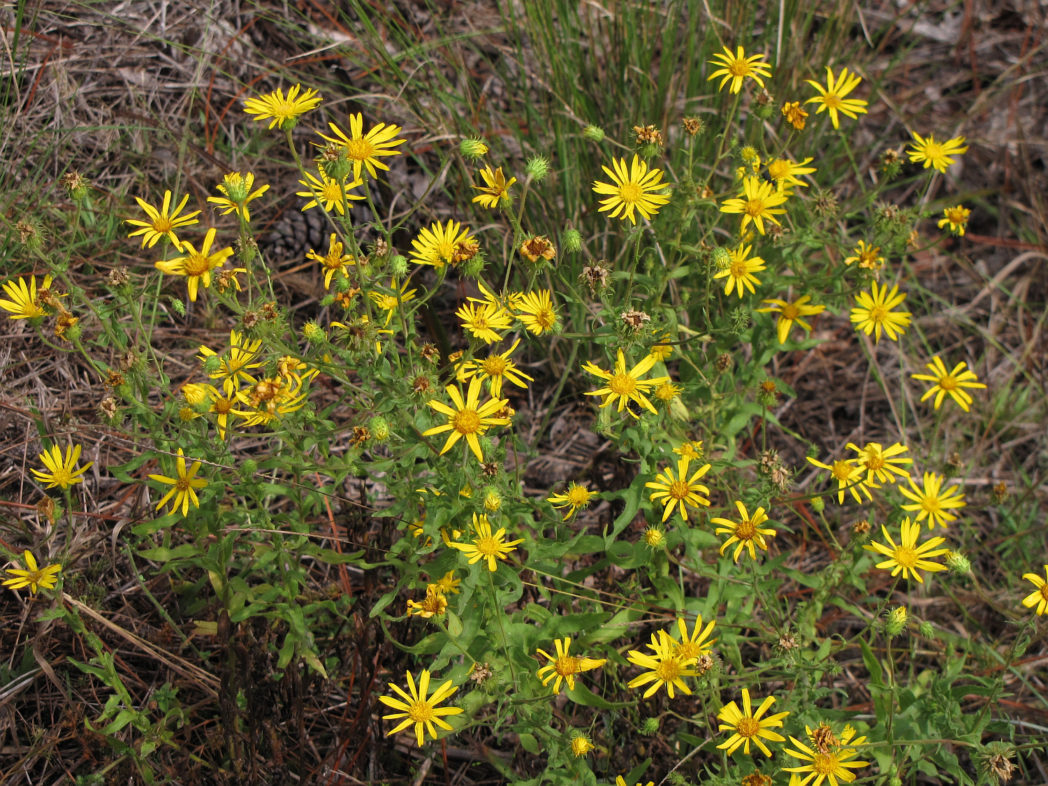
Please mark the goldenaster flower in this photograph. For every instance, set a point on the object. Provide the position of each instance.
(882, 465)
(952, 383)
(448, 584)
(391, 301)
(334, 261)
(907, 557)
(680, 490)
(787, 173)
(328, 193)
(849, 477)
(748, 726)
(625, 386)
(827, 758)
(747, 532)
(758, 202)
(933, 502)
(536, 312)
(740, 271)
(564, 666)
(468, 418)
(794, 114)
(694, 645)
(366, 149)
(935, 154)
(483, 319)
(437, 244)
(581, 745)
(26, 301)
(495, 368)
(236, 193)
(218, 404)
(665, 667)
(635, 188)
(874, 315)
(495, 189)
(956, 218)
(692, 449)
(33, 576)
(433, 605)
(233, 365)
(196, 266)
(61, 472)
(162, 222)
(868, 257)
(832, 97)
(418, 708)
(791, 311)
(576, 497)
(281, 111)
(736, 67)
(183, 487)
(485, 545)
(1038, 599)
(538, 247)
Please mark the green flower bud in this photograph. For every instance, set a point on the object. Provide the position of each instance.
(896, 622)
(178, 306)
(473, 148)
(492, 499)
(379, 428)
(926, 630)
(537, 168)
(474, 266)
(818, 504)
(650, 727)
(958, 563)
(593, 133)
(398, 266)
(721, 258)
(313, 333)
(572, 241)
(649, 150)
(248, 469)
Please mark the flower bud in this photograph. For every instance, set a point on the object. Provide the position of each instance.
(572, 241)
(896, 622)
(593, 133)
(958, 563)
(818, 504)
(398, 266)
(537, 168)
(650, 727)
(248, 469)
(379, 428)
(313, 333)
(492, 499)
(473, 148)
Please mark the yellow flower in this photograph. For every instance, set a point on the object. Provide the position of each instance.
(874, 313)
(418, 708)
(33, 576)
(236, 193)
(691, 449)
(759, 201)
(183, 487)
(218, 404)
(654, 536)
(162, 222)
(329, 193)
(575, 498)
(868, 257)
(882, 465)
(661, 351)
(935, 154)
(748, 726)
(448, 584)
(538, 247)
(678, 491)
(747, 532)
(26, 302)
(61, 472)
(495, 368)
(536, 312)
(485, 545)
(791, 311)
(635, 188)
(933, 502)
(786, 173)
(667, 391)
(694, 645)
(483, 319)
(620, 781)
(438, 244)
(196, 266)
(740, 271)
(564, 666)
(956, 218)
(468, 418)
(736, 67)
(364, 150)
(665, 667)
(826, 759)
(281, 110)
(434, 604)
(334, 261)
(581, 745)
(495, 190)
(390, 302)
(907, 557)
(951, 383)
(794, 114)
(832, 97)
(232, 367)
(625, 386)
(1038, 598)
(849, 477)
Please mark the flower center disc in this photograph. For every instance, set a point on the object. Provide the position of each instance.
(948, 383)
(420, 712)
(668, 670)
(790, 311)
(488, 546)
(494, 366)
(466, 421)
(679, 489)
(163, 224)
(630, 193)
(566, 665)
(747, 727)
(746, 530)
(824, 763)
(754, 208)
(196, 265)
(622, 384)
(359, 149)
(906, 557)
(878, 314)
